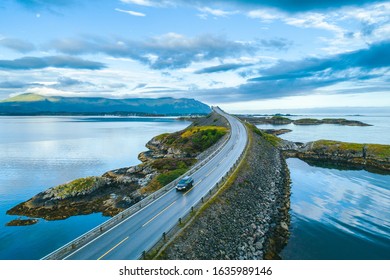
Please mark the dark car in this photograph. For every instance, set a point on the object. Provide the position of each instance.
(185, 184)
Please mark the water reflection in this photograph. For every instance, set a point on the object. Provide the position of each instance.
(348, 211)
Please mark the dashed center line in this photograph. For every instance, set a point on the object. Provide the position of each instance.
(112, 248)
(193, 187)
(166, 208)
(211, 171)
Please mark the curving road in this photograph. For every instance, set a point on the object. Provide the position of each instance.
(142, 230)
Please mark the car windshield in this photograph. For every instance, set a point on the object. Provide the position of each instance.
(183, 181)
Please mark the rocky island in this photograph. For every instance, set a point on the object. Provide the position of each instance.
(367, 156)
(280, 120)
(170, 156)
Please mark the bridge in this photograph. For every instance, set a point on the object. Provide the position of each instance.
(130, 237)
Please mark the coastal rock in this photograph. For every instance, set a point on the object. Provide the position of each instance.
(372, 156)
(22, 222)
(277, 131)
(280, 120)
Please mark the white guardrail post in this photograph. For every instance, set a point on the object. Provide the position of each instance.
(63, 251)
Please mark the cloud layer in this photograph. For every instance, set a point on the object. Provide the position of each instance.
(285, 5)
(169, 51)
(376, 56)
(17, 45)
(28, 63)
(301, 77)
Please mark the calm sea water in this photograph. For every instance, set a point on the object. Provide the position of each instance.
(338, 214)
(40, 152)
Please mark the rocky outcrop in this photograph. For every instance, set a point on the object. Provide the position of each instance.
(357, 155)
(279, 120)
(249, 219)
(277, 131)
(22, 222)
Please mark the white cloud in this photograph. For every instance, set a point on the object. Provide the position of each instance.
(133, 13)
(139, 2)
(215, 12)
(371, 14)
(150, 3)
(313, 20)
(265, 15)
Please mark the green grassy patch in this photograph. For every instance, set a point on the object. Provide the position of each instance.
(372, 150)
(167, 177)
(307, 121)
(280, 118)
(272, 139)
(166, 164)
(161, 136)
(194, 139)
(74, 187)
(163, 179)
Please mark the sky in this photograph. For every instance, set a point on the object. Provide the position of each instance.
(241, 55)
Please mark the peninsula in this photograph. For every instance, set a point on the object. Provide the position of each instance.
(169, 156)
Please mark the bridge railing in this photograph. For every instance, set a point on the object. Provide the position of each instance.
(166, 236)
(94, 233)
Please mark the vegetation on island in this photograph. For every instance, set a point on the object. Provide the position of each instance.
(363, 150)
(76, 187)
(279, 120)
(194, 139)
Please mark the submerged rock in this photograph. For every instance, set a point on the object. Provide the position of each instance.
(22, 222)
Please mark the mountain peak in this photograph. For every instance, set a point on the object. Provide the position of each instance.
(25, 97)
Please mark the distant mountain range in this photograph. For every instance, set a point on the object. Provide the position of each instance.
(35, 104)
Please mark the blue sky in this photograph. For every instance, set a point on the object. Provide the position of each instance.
(241, 55)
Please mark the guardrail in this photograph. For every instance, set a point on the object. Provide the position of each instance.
(87, 237)
(154, 249)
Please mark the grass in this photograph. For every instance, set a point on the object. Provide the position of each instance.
(307, 121)
(166, 164)
(161, 136)
(280, 118)
(372, 150)
(163, 179)
(78, 185)
(199, 129)
(194, 139)
(272, 139)
(167, 177)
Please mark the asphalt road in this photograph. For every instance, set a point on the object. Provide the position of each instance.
(142, 230)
